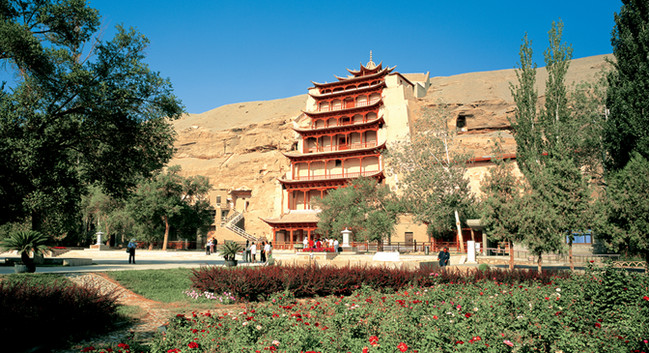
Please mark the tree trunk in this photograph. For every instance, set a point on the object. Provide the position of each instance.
(511, 263)
(539, 263)
(460, 234)
(166, 238)
(27, 261)
(571, 255)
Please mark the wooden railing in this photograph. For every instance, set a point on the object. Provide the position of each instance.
(336, 176)
(343, 147)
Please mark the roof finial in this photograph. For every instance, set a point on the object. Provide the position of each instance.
(370, 64)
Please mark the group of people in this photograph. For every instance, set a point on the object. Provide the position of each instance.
(318, 244)
(210, 246)
(264, 248)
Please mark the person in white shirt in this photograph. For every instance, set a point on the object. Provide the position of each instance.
(253, 251)
(336, 245)
(305, 243)
(267, 251)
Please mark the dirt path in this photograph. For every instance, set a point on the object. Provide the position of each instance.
(154, 315)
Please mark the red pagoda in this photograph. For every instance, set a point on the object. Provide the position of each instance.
(342, 137)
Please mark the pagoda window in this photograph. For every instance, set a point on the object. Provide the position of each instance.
(337, 89)
(345, 120)
(349, 103)
(365, 84)
(320, 123)
(357, 119)
(311, 145)
(323, 106)
(350, 88)
(371, 116)
(338, 163)
(362, 101)
(355, 140)
(336, 104)
(374, 98)
(332, 122)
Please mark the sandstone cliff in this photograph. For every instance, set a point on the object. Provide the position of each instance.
(239, 145)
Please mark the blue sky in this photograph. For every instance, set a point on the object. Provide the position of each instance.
(218, 52)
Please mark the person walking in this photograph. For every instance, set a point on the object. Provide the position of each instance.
(247, 251)
(443, 257)
(130, 248)
(253, 252)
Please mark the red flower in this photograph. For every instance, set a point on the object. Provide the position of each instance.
(402, 347)
(597, 325)
(175, 350)
(645, 297)
(374, 340)
(193, 345)
(365, 350)
(123, 346)
(88, 349)
(459, 342)
(468, 315)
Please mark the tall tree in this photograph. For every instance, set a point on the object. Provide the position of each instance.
(547, 141)
(166, 197)
(431, 169)
(624, 211)
(364, 206)
(626, 128)
(80, 110)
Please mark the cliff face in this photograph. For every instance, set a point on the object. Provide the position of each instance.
(239, 146)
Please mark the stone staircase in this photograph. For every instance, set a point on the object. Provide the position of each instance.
(231, 225)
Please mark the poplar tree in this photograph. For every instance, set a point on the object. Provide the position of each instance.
(556, 196)
(624, 208)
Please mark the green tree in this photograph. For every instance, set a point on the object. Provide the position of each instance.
(431, 170)
(500, 203)
(166, 197)
(80, 111)
(626, 128)
(624, 203)
(623, 223)
(548, 139)
(364, 206)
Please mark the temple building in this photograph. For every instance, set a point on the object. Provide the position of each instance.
(340, 136)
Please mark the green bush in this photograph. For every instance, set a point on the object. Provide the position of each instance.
(483, 267)
(50, 311)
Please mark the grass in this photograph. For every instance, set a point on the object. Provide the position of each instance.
(165, 286)
(35, 278)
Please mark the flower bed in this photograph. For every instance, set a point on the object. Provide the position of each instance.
(252, 284)
(601, 311)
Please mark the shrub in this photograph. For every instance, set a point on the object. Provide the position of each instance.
(253, 284)
(483, 267)
(53, 311)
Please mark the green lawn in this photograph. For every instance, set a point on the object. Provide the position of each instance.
(165, 286)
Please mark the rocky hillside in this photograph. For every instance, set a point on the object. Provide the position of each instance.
(239, 145)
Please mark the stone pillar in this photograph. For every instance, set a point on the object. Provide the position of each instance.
(346, 238)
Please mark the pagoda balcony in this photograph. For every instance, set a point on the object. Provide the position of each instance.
(347, 106)
(344, 175)
(345, 147)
